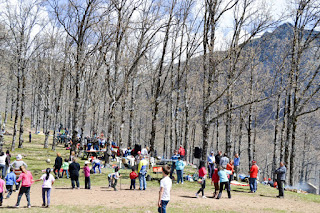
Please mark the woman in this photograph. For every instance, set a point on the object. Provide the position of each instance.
(57, 165)
(26, 181)
(202, 178)
(48, 181)
(74, 168)
(224, 181)
(16, 165)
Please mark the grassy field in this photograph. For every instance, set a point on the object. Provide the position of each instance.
(35, 156)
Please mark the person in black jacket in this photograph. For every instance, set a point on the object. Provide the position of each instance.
(281, 178)
(218, 157)
(74, 169)
(57, 165)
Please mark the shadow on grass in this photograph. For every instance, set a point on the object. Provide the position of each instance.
(187, 196)
(268, 196)
(241, 191)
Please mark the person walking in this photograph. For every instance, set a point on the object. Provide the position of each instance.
(236, 163)
(179, 167)
(210, 161)
(224, 181)
(48, 181)
(202, 179)
(2, 183)
(253, 177)
(74, 169)
(281, 178)
(26, 180)
(10, 181)
(57, 165)
(142, 171)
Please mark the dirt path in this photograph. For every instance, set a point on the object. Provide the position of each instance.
(180, 198)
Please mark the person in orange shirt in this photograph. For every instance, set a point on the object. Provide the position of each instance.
(253, 177)
(230, 167)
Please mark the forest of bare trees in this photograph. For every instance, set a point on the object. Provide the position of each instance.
(165, 73)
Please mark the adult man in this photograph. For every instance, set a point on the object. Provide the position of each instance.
(218, 157)
(281, 178)
(142, 170)
(236, 164)
(174, 159)
(253, 177)
(210, 161)
(182, 152)
(224, 161)
(74, 169)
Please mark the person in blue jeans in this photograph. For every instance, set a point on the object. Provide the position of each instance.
(10, 181)
(142, 170)
(96, 163)
(165, 188)
(179, 167)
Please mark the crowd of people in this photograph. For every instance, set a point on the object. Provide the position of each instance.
(219, 168)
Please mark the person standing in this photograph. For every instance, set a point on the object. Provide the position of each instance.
(30, 137)
(182, 152)
(230, 167)
(3, 163)
(8, 161)
(179, 167)
(142, 171)
(236, 163)
(253, 177)
(210, 161)
(26, 182)
(281, 178)
(65, 167)
(218, 157)
(16, 165)
(224, 160)
(174, 159)
(165, 188)
(74, 169)
(133, 176)
(48, 181)
(57, 165)
(86, 171)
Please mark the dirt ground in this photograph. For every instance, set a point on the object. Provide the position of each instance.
(180, 198)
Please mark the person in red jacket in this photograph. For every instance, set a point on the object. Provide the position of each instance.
(215, 180)
(202, 178)
(182, 152)
(133, 176)
(253, 177)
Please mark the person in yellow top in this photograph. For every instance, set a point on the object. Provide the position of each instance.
(142, 170)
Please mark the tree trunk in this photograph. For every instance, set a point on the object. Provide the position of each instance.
(275, 137)
(16, 117)
(23, 94)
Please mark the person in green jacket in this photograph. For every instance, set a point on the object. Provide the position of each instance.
(179, 167)
(65, 167)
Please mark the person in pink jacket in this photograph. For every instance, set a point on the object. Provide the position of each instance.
(2, 184)
(26, 182)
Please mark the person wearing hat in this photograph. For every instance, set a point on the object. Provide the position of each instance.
(210, 161)
(16, 166)
(253, 177)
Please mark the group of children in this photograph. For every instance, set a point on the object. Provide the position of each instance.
(220, 174)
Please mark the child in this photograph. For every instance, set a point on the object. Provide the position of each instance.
(2, 183)
(215, 180)
(133, 177)
(10, 180)
(86, 171)
(48, 181)
(165, 188)
(224, 181)
(116, 176)
(110, 179)
(202, 179)
(26, 181)
(65, 167)
(179, 168)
